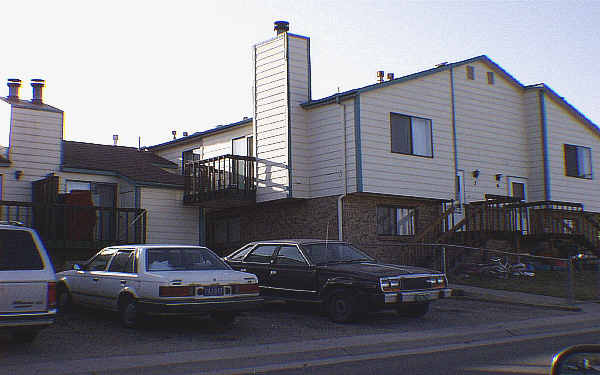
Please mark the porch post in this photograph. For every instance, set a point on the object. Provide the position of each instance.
(202, 227)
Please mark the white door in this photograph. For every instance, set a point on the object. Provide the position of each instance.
(517, 187)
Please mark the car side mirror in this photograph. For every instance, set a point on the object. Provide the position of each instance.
(77, 267)
(578, 359)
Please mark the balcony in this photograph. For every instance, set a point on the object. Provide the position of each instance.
(221, 182)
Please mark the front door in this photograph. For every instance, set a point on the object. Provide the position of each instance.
(517, 187)
(121, 274)
(258, 263)
(291, 276)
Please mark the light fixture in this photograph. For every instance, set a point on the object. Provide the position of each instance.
(18, 174)
(499, 177)
(475, 175)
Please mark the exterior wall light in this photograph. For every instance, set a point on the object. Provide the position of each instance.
(475, 175)
(18, 174)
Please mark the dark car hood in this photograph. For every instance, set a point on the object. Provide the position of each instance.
(375, 269)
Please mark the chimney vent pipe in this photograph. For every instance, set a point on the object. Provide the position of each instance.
(390, 76)
(185, 134)
(174, 132)
(380, 74)
(282, 27)
(37, 85)
(115, 139)
(13, 88)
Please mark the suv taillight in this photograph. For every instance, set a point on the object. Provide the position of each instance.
(51, 295)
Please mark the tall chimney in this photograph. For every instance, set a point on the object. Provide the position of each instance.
(282, 27)
(13, 88)
(37, 85)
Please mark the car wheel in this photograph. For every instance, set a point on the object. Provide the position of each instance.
(63, 299)
(25, 335)
(128, 312)
(224, 318)
(415, 310)
(342, 307)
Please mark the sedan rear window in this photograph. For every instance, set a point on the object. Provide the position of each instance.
(18, 251)
(321, 253)
(183, 259)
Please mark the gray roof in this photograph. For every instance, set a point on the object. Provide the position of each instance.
(18, 103)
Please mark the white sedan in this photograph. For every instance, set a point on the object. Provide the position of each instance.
(159, 280)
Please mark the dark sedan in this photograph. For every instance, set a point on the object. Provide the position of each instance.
(346, 281)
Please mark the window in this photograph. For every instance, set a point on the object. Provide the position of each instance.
(411, 135)
(18, 251)
(227, 231)
(99, 262)
(241, 253)
(490, 77)
(262, 254)
(396, 221)
(578, 161)
(518, 190)
(290, 255)
(183, 259)
(471, 72)
(122, 262)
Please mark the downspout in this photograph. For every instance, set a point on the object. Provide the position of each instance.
(454, 139)
(544, 128)
(340, 208)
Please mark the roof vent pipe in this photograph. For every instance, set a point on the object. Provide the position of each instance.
(380, 74)
(282, 27)
(390, 76)
(13, 88)
(37, 85)
(115, 139)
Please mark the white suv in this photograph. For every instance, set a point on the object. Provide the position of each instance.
(27, 283)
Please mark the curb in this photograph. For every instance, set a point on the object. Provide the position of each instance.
(462, 294)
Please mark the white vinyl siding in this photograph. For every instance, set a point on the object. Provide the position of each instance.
(299, 93)
(168, 220)
(491, 131)
(406, 175)
(35, 149)
(535, 173)
(326, 137)
(564, 128)
(271, 119)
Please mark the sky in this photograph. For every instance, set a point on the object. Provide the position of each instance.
(141, 69)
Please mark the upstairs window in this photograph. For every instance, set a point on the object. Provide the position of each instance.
(490, 77)
(470, 72)
(395, 221)
(411, 135)
(578, 161)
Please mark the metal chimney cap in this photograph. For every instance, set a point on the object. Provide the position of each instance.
(37, 82)
(281, 26)
(14, 80)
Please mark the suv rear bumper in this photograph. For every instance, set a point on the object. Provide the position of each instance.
(237, 304)
(29, 319)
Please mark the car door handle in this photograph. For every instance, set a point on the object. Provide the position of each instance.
(123, 282)
(95, 279)
(273, 272)
(242, 269)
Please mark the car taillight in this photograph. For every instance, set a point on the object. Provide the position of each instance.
(51, 295)
(176, 291)
(245, 288)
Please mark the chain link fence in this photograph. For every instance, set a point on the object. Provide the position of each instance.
(576, 277)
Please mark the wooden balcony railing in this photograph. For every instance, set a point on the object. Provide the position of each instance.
(66, 226)
(220, 182)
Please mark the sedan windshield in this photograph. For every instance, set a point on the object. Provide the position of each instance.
(183, 259)
(321, 253)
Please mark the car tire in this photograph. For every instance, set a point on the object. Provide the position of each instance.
(128, 312)
(342, 306)
(25, 335)
(224, 318)
(415, 310)
(63, 299)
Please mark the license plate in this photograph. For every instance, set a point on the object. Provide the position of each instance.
(214, 290)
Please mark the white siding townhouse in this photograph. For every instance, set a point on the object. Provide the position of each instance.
(460, 148)
(414, 158)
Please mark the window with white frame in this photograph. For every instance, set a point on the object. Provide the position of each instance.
(411, 135)
(459, 195)
(578, 161)
(396, 221)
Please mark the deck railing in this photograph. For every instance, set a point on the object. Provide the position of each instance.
(222, 178)
(68, 226)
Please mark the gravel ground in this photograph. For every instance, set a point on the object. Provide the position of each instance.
(87, 333)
